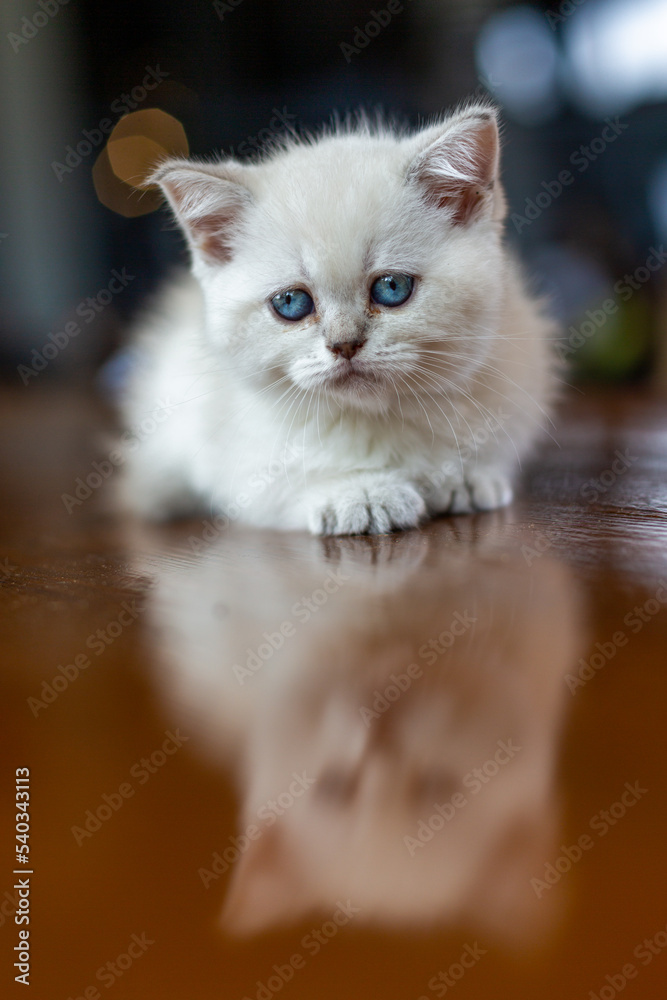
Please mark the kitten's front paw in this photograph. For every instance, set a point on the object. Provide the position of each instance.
(489, 489)
(482, 489)
(365, 508)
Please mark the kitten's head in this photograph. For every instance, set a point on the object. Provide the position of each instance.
(364, 265)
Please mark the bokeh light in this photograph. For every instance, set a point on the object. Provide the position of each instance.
(517, 57)
(136, 145)
(617, 55)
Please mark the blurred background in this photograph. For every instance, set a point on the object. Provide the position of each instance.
(582, 85)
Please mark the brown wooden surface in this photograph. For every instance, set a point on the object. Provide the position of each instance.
(549, 578)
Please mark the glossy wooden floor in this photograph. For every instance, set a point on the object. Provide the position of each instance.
(402, 767)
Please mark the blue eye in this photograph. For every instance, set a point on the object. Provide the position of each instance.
(293, 304)
(392, 289)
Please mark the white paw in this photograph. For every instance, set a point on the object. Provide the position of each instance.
(482, 489)
(489, 489)
(365, 507)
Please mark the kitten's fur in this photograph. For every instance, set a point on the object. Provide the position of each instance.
(437, 406)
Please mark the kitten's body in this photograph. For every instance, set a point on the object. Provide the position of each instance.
(440, 396)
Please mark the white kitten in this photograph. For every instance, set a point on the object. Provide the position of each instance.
(355, 351)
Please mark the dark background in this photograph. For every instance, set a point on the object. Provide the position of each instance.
(558, 72)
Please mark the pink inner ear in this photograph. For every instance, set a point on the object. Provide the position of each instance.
(207, 207)
(458, 172)
(462, 200)
(212, 235)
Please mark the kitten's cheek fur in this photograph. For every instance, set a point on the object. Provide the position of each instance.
(364, 505)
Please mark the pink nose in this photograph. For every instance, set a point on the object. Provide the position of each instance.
(348, 349)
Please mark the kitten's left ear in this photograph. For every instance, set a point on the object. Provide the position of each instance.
(458, 171)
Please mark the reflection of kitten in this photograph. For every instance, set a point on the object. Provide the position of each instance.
(502, 679)
(354, 320)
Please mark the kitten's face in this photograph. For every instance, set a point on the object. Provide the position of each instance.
(361, 268)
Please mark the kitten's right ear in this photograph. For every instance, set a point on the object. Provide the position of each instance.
(208, 201)
(458, 170)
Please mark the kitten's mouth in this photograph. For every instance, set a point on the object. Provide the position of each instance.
(352, 384)
(349, 375)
